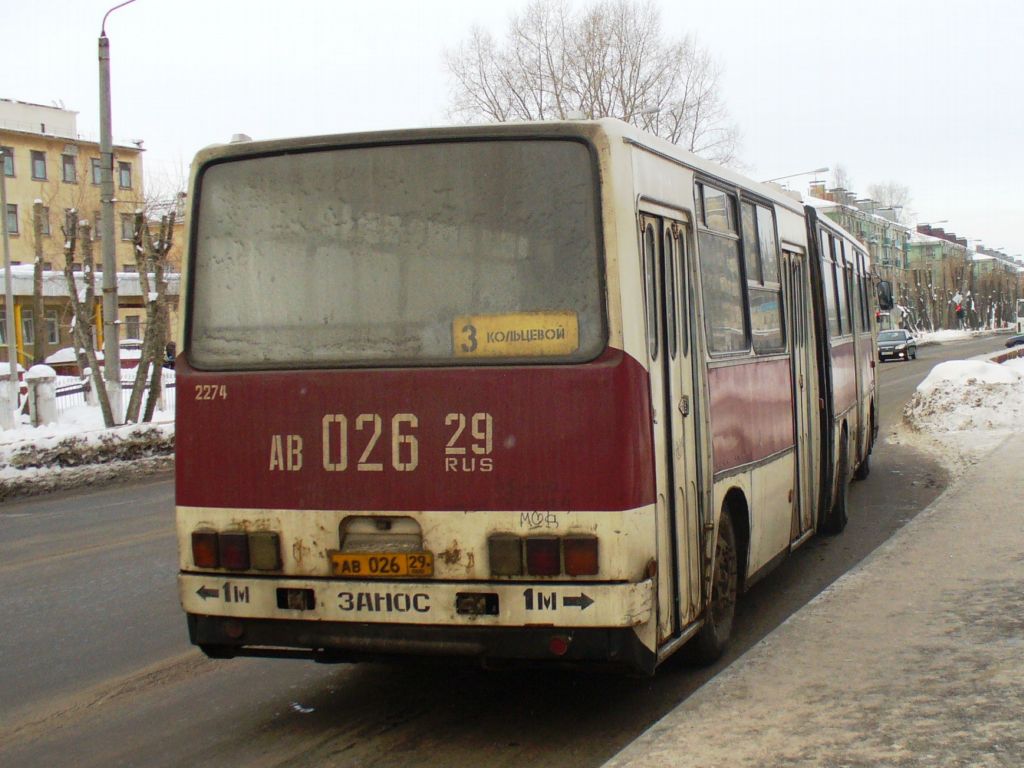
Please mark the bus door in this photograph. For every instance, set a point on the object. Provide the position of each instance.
(669, 313)
(794, 270)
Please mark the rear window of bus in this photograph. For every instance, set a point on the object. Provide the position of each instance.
(413, 254)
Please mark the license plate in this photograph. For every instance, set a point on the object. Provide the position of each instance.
(382, 565)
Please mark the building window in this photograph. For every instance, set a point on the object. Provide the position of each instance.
(44, 224)
(127, 231)
(28, 327)
(8, 153)
(3, 329)
(39, 165)
(129, 268)
(12, 219)
(131, 327)
(69, 171)
(97, 176)
(124, 175)
(52, 330)
(97, 230)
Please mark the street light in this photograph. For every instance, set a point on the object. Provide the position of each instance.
(802, 173)
(111, 347)
(9, 402)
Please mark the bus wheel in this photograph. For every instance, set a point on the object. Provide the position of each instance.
(864, 468)
(710, 642)
(835, 520)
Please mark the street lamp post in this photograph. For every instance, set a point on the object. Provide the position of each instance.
(816, 171)
(8, 400)
(111, 346)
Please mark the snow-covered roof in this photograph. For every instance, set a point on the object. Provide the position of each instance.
(831, 205)
(55, 284)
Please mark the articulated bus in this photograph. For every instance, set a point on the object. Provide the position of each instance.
(541, 393)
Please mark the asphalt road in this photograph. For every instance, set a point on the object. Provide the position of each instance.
(96, 669)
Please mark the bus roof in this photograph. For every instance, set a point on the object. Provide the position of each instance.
(610, 128)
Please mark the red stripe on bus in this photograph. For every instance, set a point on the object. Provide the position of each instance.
(562, 438)
(751, 411)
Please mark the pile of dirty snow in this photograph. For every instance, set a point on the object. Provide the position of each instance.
(79, 451)
(965, 408)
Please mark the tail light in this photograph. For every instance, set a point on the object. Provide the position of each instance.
(264, 550)
(543, 556)
(237, 550)
(573, 555)
(505, 553)
(580, 553)
(234, 550)
(204, 549)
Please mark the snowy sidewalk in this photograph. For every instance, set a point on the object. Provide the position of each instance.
(914, 658)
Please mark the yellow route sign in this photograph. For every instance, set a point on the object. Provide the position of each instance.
(516, 334)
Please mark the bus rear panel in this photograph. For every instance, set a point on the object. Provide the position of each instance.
(401, 429)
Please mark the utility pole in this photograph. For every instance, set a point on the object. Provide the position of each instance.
(8, 399)
(111, 346)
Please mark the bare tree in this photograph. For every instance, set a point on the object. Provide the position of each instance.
(611, 60)
(841, 178)
(893, 195)
(83, 302)
(151, 258)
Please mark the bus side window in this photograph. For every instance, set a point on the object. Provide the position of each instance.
(842, 285)
(865, 286)
(764, 291)
(721, 273)
(650, 256)
(828, 276)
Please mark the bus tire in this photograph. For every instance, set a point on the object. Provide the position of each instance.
(835, 520)
(711, 640)
(863, 469)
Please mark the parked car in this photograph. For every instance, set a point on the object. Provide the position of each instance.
(1013, 341)
(896, 345)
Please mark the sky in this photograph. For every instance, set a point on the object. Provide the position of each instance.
(926, 93)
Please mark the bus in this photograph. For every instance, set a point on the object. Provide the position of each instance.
(517, 393)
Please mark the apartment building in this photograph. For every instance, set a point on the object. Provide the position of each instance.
(46, 159)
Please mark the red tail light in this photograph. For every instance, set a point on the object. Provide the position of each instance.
(204, 549)
(234, 550)
(543, 556)
(580, 555)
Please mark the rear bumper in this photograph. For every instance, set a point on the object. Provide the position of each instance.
(348, 620)
(331, 642)
(904, 354)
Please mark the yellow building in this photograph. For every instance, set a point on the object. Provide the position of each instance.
(45, 159)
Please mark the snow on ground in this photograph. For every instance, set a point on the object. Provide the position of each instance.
(965, 408)
(79, 450)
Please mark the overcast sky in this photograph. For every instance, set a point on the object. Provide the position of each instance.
(928, 93)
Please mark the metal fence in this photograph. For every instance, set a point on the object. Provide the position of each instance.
(72, 392)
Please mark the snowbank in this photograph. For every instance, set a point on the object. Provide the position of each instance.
(965, 408)
(79, 451)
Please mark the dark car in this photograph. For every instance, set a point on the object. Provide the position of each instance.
(896, 345)
(1013, 341)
